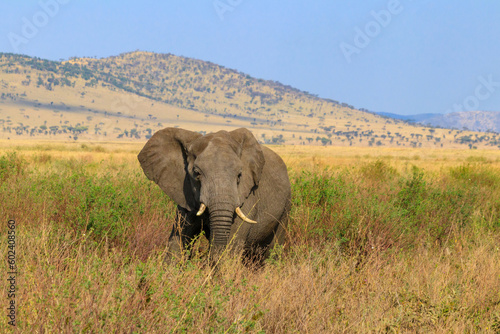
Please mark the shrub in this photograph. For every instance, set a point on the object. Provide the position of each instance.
(11, 165)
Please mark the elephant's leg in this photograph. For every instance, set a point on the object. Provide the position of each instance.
(281, 230)
(261, 251)
(185, 229)
(279, 235)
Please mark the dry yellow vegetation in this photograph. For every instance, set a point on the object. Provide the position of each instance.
(131, 96)
(297, 157)
(380, 240)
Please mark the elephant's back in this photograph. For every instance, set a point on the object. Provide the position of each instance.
(269, 203)
(275, 172)
(271, 199)
(274, 191)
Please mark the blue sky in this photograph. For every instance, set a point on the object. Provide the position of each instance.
(405, 56)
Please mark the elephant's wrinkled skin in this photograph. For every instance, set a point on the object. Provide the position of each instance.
(223, 171)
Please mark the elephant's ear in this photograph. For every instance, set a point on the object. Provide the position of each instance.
(252, 158)
(163, 160)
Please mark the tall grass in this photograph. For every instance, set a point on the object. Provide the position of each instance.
(369, 248)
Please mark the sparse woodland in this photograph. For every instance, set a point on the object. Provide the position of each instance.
(128, 97)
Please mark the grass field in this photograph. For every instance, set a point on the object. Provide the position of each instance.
(380, 240)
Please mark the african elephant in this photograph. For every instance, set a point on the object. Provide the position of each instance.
(225, 184)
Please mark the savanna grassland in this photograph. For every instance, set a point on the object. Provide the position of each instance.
(130, 96)
(380, 240)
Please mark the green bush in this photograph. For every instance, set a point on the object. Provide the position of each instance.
(11, 165)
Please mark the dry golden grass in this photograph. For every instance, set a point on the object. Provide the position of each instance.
(314, 158)
(201, 96)
(318, 157)
(375, 245)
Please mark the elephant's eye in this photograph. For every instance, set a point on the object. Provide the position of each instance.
(239, 177)
(196, 173)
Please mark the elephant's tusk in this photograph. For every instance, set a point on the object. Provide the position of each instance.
(243, 217)
(202, 209)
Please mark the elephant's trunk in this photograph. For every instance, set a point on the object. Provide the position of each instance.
(221, 219)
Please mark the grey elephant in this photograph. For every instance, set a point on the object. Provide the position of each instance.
(225, 184)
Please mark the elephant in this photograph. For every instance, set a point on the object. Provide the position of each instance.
(225, 184)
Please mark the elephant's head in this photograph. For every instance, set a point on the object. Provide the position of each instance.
(215, 172)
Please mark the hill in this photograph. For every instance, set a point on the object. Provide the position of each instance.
(130, 96)
(409, 118)
(483, 121)
(467, 120)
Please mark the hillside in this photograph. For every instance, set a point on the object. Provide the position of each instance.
(471, 120)
(409, 118)
(483, 121)
(129, 97)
